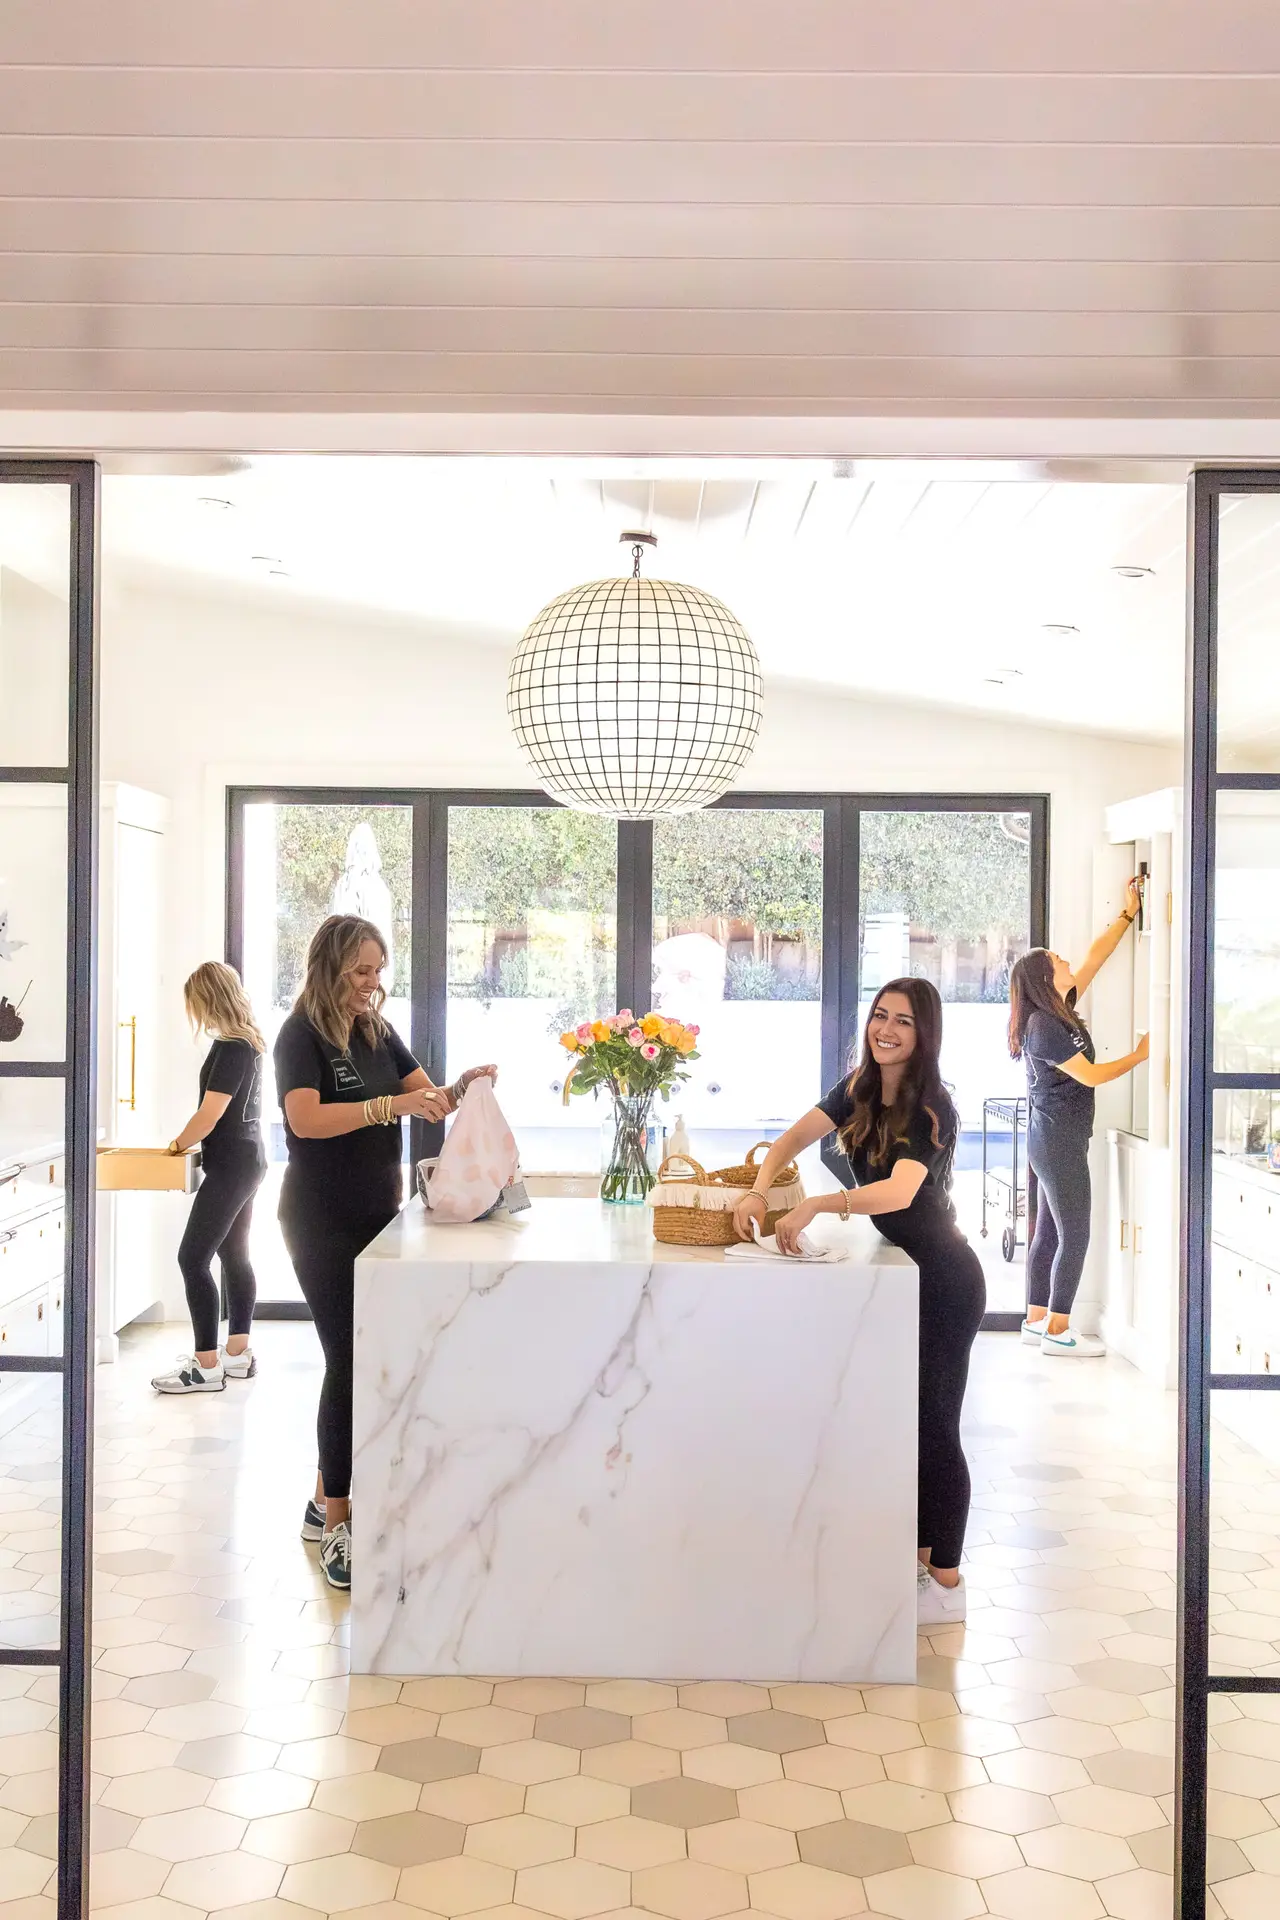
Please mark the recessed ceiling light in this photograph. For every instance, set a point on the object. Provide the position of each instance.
(1009, 673)
(280, 573)
(1134, 573)
(1062, 627)
(212, 500)
(266, 559)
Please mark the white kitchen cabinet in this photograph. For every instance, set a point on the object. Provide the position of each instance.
(131, 987)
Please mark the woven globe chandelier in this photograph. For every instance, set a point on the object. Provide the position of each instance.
(635, 698)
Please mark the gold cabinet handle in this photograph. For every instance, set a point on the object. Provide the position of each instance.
(1137, 1239)
(1124, 1235)
(130, 1026)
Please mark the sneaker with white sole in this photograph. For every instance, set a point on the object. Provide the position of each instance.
(335, 1557)
(1032, 1332)
(190, 1377)
(1072, 1346)
(936, 1605)
(238, 1366)
(312, 1528)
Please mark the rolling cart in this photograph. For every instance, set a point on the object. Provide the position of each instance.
(1004, 1189)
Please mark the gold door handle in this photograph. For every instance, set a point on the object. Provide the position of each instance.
(1137, 1240)
(130, 1026)
(1124, 1235)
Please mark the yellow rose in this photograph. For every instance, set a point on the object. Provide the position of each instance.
(599, 1031)
(686, 1043)
(651, 1025)
(569, 1041)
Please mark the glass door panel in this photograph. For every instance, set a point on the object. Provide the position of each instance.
(301, 862)
(1248, 634)
(35, 624)
(531, 950)
(946, 897)
(737, 951)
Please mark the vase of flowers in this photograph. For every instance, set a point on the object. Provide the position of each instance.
(634, 1060)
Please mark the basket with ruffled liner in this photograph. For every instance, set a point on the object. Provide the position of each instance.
(694, 1208)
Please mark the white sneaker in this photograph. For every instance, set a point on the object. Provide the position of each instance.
(238, 1366)
(190, 1377)
(936, 1605)
(335, 1557)
(1072, 1345)
(1032, 1332)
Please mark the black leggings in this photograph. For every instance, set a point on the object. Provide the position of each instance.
(324, 1249)
(219, 1221)
(1059, 1158)
(953, 1299)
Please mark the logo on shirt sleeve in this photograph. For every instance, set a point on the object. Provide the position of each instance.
(345, 1077)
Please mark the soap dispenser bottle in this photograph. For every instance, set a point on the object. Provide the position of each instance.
(678, 1140)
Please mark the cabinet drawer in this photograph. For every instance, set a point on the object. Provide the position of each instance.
(30, 1324)
(31, 1253)
(27, 1184)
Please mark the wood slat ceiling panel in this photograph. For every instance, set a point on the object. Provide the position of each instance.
(731, 207)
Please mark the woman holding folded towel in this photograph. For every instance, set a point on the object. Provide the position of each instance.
(898, 1128)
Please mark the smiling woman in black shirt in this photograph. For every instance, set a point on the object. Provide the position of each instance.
(226, 1126)
(345, 1078)
(898, 1128)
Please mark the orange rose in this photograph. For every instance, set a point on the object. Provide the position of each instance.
(569, 1041)
(599, 1031)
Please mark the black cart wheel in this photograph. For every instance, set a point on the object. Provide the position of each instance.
(1009, 1243)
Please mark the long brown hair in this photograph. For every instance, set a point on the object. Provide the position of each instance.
(217, 1004)
(920, 1089)
(334, 950)
(1031, 990)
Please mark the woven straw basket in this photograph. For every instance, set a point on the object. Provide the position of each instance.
(709, 1221)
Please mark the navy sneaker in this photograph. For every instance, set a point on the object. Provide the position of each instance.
(313, 1523)
(335, 1557)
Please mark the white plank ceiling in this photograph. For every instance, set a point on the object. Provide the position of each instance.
(726, 207)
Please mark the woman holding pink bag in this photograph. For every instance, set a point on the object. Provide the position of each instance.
(345, 1079)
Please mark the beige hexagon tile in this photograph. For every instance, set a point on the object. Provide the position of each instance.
(873, 1733)
(125, 1874)
(743, 1846)
(933, 1767)
(158, 1908)
(429, 1759)
(1096, 1704)
(834, 1767)
(679, 1729)
(577, 1801)
(968, 1733)
(803, 1892)
(729, 1765)
(790, 1803)
(539, 1696)
(1137, 1895)
(447, 1693)
(331, 1758)
(218, 1880)
(1236, 1816)
(910, 1703)
(1077, 1739)
(631, 1843)
(970, 1852)
(305, 1834)
(631, 1763)
(574, 1889)
(1080, 1852)
(525, 1762)
(486, 1726)
(892, 1803)
(632, 1696)
(457, 1886)
(472, 1797)
(125, 1753)
(339, 1883)
(1109, 1810)
(254, 1795)
(519, 1840)
(1003, 1809)
(723, 1697)
(351, 1691)
(384, 1725)
(1038, 1772)
(690, 1890)
(818, 1700)
(188, 1834)
(23, 1875)
(276, 1909)
(1028, 1893)
(162, 1790)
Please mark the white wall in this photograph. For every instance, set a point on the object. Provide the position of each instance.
(208, 687)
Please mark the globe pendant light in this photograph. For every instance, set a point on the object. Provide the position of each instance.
(634, 697)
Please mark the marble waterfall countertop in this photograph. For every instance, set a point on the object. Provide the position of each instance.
(580, 1452)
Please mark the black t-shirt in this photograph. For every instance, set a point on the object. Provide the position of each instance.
(235, 1068)
(1054, 1095)
(360, 1171)
(931, 1217)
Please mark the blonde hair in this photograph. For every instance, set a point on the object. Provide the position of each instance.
(217, 1004)
(334, 951)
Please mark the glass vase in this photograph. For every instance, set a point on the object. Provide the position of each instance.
(627, 1148)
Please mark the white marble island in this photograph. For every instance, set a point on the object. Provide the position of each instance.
(578, 1452)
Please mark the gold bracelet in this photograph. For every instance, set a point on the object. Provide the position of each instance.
(388, 1110)
(844, 1203)
(367, 1116)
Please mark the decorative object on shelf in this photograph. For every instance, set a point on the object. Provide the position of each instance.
(635, 698)
(634, 1060)
(8, 947)
(694, 1208)
(11, 1020)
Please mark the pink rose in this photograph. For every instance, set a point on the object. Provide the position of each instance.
(695, 1030)
(626, 1016)
(584, 1031)
(635, 1037)
(649, 1052)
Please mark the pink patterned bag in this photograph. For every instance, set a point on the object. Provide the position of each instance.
(478, 1160)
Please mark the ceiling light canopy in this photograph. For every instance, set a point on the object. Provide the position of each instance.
(635, 698)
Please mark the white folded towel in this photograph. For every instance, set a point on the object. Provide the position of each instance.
(768, 1249)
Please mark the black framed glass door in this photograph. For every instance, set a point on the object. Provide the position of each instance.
(1228, 1621)
(48, 902)
(769, 919)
